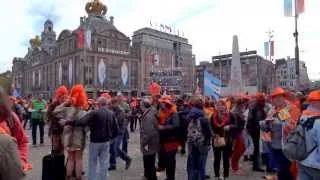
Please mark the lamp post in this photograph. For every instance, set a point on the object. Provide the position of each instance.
(296, 34)
(273, 79)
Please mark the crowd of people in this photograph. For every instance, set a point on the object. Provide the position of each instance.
(259, 128)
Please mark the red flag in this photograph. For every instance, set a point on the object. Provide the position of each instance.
(272, 48)
(80, 38)
(300, 6)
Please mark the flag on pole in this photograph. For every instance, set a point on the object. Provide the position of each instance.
(300, 6)
(272, 48)
(266, 48)
(212, 85)
(80, 38)
(288, 8)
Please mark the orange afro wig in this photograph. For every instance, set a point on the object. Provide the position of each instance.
(61, 91)
(154, 89)
(79, 97)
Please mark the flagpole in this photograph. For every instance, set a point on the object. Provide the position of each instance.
(296, 34)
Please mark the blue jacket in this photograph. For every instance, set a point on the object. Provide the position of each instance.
(313, 140)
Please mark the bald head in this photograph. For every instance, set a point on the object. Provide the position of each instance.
(102, 101)
(146, 102)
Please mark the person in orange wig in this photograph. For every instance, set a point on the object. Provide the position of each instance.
(55, 129)
(73, 109)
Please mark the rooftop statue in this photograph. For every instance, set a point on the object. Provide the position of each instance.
(96, 8)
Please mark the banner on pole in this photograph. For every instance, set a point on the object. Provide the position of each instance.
(272, 48)
(212, 85)
(300, 6)
(266, 48)
(88, 39)
(288, 8)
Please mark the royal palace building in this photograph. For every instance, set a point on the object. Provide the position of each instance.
(101, 57)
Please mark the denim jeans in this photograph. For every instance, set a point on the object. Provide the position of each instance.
(116, 151)
(307, 173)
(125, 141)
(98, 150)
(205, 152)
(282, 164)
(35, 124)
(195, 162)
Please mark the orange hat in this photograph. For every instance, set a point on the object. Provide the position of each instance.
(154, 89)
(314, 96)
(278, 92)
(61, 91)
(79, 97)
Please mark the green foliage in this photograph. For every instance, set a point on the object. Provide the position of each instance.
(6, 84)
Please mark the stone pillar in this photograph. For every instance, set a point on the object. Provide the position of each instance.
(95, 76)
(236, 75)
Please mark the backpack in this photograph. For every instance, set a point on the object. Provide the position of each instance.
(194, 135)
(295, 146)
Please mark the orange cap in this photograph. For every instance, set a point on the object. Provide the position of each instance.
(278, 92)
(314, 96)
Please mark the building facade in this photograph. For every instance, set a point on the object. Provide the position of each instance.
(166, 56)
(257, 72)
(286, 74)
(203, 66)
(95, 54)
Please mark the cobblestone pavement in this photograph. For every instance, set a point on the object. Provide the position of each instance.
(136, 169)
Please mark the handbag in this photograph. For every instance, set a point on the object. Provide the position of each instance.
(219, 141)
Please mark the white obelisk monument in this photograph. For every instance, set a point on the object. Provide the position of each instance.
(235, 85)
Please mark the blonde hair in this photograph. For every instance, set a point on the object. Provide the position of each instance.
(5, 110)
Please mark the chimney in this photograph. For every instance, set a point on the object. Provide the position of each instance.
(111, 19)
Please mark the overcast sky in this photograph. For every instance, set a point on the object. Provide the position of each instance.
(208, 24)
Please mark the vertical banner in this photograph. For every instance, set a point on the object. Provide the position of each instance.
(124, 73)
(172, 61)
(288, 8)
(212, 85)
(101, 72)
(272, 48)
(80, 38)
(156, 59)
(39, 78)
(33, 78)
(60, 73)
(70, 72)
(88, 39)
(266, 49)
(300, 6)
